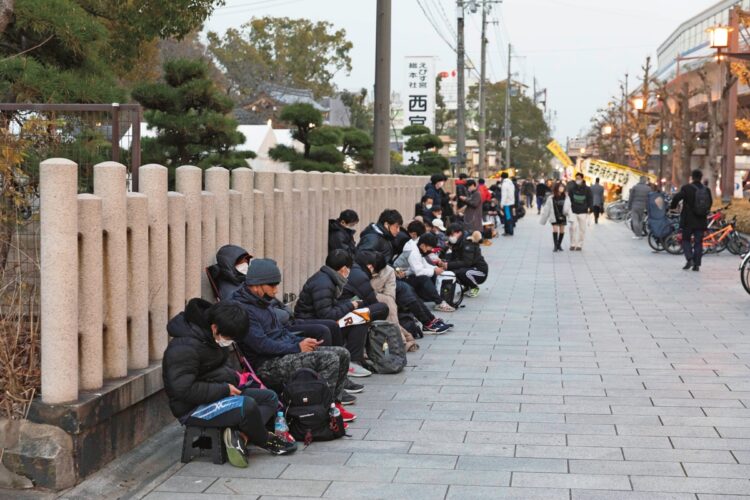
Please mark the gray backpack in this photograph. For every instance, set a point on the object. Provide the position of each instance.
(385, 348)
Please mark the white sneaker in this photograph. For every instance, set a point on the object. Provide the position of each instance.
(357, 370)
(445, 307)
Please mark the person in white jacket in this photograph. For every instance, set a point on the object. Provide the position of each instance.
(508, 202)
(557, 211)
(420, 268)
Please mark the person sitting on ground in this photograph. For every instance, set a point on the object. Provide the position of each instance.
(438, 229)
(272, 349)
(381, 238)
(341, 232)
(419, 271)
(464, 258)
(424, 207)
(204, 390)
(320, 298)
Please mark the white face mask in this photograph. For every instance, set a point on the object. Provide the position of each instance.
(579, 182)
(453, 239)
(428, 207)
(242, 267)
(225, 342)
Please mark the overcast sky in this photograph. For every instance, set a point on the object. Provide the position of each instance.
(577, 49)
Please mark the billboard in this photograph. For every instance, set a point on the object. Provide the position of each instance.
(419, 97)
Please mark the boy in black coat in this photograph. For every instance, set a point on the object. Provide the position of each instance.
(203, 389)
(464, 257)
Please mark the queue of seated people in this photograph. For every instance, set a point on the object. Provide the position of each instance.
(228, 361)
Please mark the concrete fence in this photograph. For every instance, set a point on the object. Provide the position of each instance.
(115, 266)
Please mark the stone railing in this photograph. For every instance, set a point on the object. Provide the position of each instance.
(115, 266)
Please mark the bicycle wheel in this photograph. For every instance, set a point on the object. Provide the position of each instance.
(655, 243)
(738, 245)
(673, 244)
(745, 275)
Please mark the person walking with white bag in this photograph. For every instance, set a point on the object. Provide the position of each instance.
(581, 202)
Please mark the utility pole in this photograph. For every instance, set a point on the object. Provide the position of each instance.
(383, 88)
(624, 122)
(483, 97)
(507, 111)
(460, 92)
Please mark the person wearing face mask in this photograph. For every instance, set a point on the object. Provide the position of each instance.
(424, 207)
(581, 203)
(204, 390)
(432, 188)
(321, 298)
(464, 257)
(272, 349)
(557, 211)
(473, 210)
(341, 232)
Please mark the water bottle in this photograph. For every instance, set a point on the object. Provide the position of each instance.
(280, 428)
(334, 412)
(385, 348)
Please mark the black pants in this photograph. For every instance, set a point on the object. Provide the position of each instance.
(407, 300)
(470, 276)
(249, 413)
(326, 330)
(425, 288)
(597, 212)
(693, 250)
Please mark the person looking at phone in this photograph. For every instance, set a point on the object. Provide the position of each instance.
(204, 390)
(272, 349)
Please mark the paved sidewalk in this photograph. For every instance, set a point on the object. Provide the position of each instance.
(602, 374)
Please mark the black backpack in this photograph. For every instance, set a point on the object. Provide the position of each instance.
(386, 352)
(702, 204)
(450, 289)
(308, 400)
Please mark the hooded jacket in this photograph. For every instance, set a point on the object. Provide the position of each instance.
(194, 367)
(266, 337)
(320, 297)
(227, 278)
(466, 253)
(358, 285)
(340, 237)
(377, 239)
(581, 199)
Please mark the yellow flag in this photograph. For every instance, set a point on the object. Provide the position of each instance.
(557, 150)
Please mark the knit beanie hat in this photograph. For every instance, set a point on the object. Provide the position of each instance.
(263, 272)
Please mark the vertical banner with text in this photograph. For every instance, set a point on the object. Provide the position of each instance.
(419, 101)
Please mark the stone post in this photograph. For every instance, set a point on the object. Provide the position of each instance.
(264, 182)
(176, 204)
(137, 298)
(236, 219)
(90, 285)
(259, 223)
(278, 246)
(285, 231)
(217, 182)
(188, 182)
(242, 181)
(295, 241)
(302, 184)
(339, 201)
(59, 275)
(208, 241)
(110, 186)
(318, 221)
(153, 183)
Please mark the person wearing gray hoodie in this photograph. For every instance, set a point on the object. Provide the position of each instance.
(637, 203)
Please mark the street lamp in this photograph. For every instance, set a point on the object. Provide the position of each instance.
(718, 37)
(607, 130)
(639, 103)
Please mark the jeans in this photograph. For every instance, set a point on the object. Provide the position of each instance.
(248, 413)
(407, 300)
(331, 363)
(597, 211)
(425, 288)
(693, 250)
(539, 203)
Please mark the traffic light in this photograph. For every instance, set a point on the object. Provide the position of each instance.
(665, 148)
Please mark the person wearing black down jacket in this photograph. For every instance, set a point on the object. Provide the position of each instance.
(464, 257)
(321, 298)
(203, 390)
(341, 232)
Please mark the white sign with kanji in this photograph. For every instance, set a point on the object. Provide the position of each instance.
(419, 96)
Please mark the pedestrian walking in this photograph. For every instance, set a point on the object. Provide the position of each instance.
(597, 194)
(541, 193)
(637, 203)
(528, 191)
(557, 211)
(581, 201)
(696, 204)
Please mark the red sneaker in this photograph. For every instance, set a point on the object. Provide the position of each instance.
(346, 415)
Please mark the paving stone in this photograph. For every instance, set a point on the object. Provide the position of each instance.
(658, 455)
(417, 461)
(493, 450)
(629, 495)
(740, 471)
(619, 441)
(451, 477)
(386, 490)
(665, 430)
(626, 467)
(511, 464)
(581, 481)
(339, 472)
(582, 452)
(186, 484)
(490, 493)
(692, 485)
(241, 486)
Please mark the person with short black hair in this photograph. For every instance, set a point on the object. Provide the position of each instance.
(581, 200)
(205, 391)
(696, 203)
(541, 195)
(424, 207)
(341, 232)
(597, 200)
(464, 257)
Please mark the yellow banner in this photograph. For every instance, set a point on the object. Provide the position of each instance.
(557, 150)
(613, 173)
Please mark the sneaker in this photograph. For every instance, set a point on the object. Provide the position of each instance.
(235, 445)
(445, 307)
(473, 293)
(353, 388)
(348, 399)
(346, 414)
(436, 327)
(278, 446)
(357, 370)
(449, 325)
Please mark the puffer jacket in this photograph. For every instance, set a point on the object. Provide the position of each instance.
(226, 276)
(194, 367)
(266, 338)
(376, 239)
(638, 199)
(433, 192)
(358, 285)
(466, 253)
(320, 297)
(340, 237)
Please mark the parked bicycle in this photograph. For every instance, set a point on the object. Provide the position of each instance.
(745, 272)
(721, 237)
